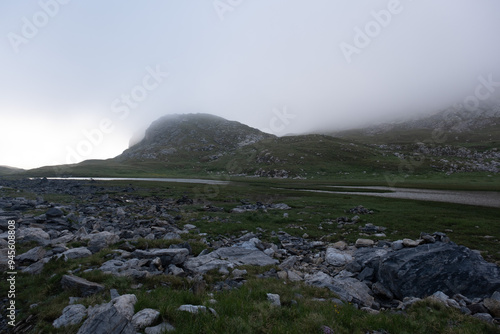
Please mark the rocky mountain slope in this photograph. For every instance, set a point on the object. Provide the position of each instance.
(455, 124)
(6, 170)
(199, 136)
(201, 145)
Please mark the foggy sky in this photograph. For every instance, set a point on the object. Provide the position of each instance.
(100, 71)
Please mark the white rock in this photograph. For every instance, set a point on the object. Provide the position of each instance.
(125, 305)
(274, 299)
(145, 318)
(337, 258)
(160, 329)
(364, 243)
(71, 315)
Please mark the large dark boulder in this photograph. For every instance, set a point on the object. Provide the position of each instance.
(446, 267)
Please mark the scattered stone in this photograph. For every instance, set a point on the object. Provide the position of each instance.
(228, 258)
(410, 243)
(493, 305)
(340, 245)
(337, 258)
(76, 253)
(145, 318)
(160, 329)
(352, 290)
(364, 243)
(486, 317)
(54, 213)
(108, 321)
(274, 299)
(84, 287)
(125, 305)
(71, 315)
(33, 255)
(195, 309)
(101, 240)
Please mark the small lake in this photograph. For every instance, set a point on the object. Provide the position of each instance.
(198, 181)
(480, 198)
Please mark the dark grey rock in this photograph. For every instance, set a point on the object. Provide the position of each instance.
(446, 267)
(54, 213)
(84, 287)
(33, 255)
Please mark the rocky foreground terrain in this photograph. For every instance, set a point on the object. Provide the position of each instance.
(372, 275)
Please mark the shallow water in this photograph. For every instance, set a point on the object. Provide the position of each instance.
(201, 181)
(480, 198)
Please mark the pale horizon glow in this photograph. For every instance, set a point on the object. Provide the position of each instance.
(72, 68)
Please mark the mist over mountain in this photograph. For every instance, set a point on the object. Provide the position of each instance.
(193, 134)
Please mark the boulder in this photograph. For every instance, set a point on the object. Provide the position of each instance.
(71, 315)
(125, 305)
(493, 305)
(421, 271)
(145, 318)
(101, 240)
(336, 257)
(36, 268)
(33, 255)
(319, 279)
(84, 287)
(227, 258)
(54, 213)
(76, 253)
(364, 243)
(159, 329)
(352, 290)
(33, 234)
(168, 256)
(274, 299)
(108, 321)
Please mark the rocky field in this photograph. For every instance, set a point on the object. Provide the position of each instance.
(125, 258)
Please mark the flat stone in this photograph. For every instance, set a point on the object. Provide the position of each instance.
(84, 287)
(33, 255)
(101, 240)
(289, 262)
(76, 253)
(54, 213)
(192, 308)
(109, 321)
(171, 236)
(33, 234)
(36, 268)
(364, 243)
(410, 243)
(227, 258)
(168, 255)
(71, 315)
(486, 317)
(352, 290)
(319, 279)
(340, 245)
(159, 329)
(493, 306)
